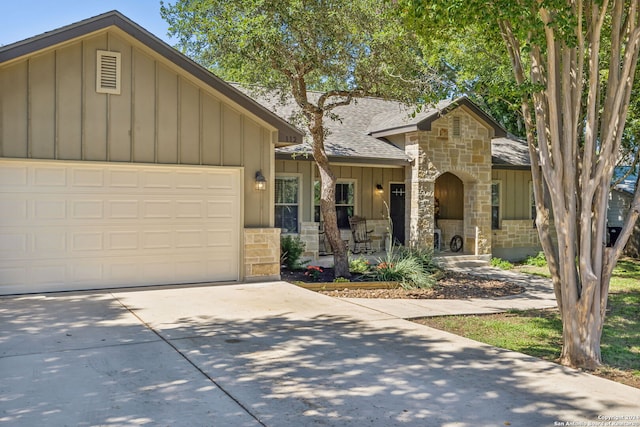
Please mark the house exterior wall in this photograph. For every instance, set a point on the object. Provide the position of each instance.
(50, 109)
(515, 240)
(368, 203)
(619, 204)
(468, 156)
(515, 185)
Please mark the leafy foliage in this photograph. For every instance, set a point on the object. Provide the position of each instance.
(538, 261)
(574, 63)
(345, 49)
(412, 268)
(345, 45)
(501, 263)
(359, 265)
(291, 250)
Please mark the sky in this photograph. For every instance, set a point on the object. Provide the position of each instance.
(21, 19)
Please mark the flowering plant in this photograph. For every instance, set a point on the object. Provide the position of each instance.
(314, 272)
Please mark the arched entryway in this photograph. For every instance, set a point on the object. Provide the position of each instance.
(449, 195)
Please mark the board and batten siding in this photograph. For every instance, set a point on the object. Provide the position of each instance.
(50, 109)
(515, 186)
(368, 203)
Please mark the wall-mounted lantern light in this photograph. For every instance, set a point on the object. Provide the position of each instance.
(379, 189)
(261, 181)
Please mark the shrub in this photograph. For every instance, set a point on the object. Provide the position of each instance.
(425, 256)
(291, 249)
(341, 280)
(501, 263)
(359, 265)
(405, 267)
(538, 261)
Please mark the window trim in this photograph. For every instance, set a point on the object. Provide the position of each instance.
(299, 179)
(500, 204)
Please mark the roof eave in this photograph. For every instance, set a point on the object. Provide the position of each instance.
(394, 131)
(377, 161)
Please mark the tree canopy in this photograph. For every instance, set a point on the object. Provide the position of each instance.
(343, 49)
(574, 63)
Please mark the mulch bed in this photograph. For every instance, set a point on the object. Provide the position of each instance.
(452, 285)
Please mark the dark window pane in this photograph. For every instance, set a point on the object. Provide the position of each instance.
(343, 213)
(495, 217)
(287, 218)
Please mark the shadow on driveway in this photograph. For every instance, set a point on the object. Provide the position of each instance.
(272, 355)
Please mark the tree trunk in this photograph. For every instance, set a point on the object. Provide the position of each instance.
(328, 203)
(581, 340)
(578, 141)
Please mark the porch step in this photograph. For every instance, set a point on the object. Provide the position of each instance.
(462, 261)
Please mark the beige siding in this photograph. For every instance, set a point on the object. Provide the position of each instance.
(515, 197)
(143, 133)
(368, 203)
(49, 109)
(14, 110)
(119, 109)
(95, 116)
(211, 131)
(232, 132)
(42, 106)
(189, 123)
(167, 123)
(69, 110)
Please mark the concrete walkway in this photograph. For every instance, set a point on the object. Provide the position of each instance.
(538, 294)
(270, 354)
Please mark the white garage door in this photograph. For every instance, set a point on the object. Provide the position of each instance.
(81, 225)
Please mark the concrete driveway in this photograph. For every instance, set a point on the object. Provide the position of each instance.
(270, 354)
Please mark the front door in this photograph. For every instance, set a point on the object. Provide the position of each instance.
(396, 201)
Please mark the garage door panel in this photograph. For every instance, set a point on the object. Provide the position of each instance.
(47, 176)
(224, 182)
(220, 209)
(122, 179)
(107, 225)
(14, 175)
(48, 209)
(87, 178)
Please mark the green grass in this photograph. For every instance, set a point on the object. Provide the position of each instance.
(539, 332)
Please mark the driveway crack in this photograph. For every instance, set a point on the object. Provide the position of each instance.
(189, 361)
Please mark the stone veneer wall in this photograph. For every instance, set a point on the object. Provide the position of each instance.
(310, 237)
(468, 157)
(514, 233)
(261, 254)
(517, 239)
(450, 228)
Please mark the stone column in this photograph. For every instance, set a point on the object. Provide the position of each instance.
(261, 254)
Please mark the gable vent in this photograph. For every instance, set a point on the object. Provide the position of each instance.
(108, 67)
(456, 131)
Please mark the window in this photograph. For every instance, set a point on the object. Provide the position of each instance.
(108, 72)
(495, 205)
(286, 204)
(345, 202)
(532, 201)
